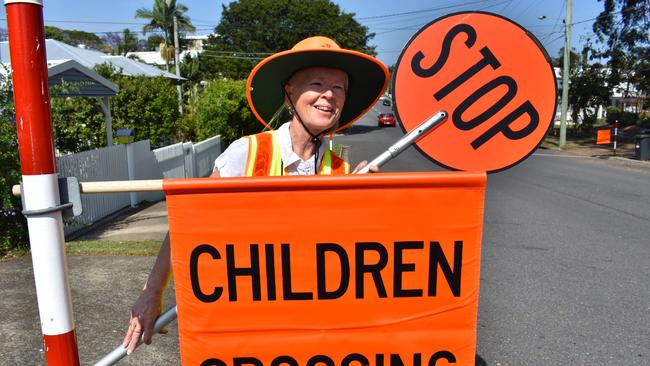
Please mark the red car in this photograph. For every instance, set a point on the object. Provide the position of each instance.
(386, 120)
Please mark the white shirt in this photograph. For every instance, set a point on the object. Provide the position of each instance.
(232, 162)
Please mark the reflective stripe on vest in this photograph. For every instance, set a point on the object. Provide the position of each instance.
(265, 157)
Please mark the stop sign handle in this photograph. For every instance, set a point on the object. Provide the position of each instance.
(420, 131)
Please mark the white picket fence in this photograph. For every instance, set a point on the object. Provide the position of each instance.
(182, 160)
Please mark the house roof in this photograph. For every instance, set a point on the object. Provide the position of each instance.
(155, 58)
(77, 80)
(59, 52)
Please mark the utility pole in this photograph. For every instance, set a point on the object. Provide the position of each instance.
(565, 72)
(178, 66)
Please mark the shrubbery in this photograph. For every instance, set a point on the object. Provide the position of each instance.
(645, 123)
(150, 107)
(13, 227)
(78, 124)
(222, 109)
(623, 118)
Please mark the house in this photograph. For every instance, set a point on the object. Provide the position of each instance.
(59, 52)
(72, 66)
(195, 46)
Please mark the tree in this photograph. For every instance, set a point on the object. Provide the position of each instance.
(623, 40)
(250, 30)
(575, 59)
(161, 17)
(112, 41)
(154, 41)
(78, 124)
(128, 43)
(190, 68)
(75, 37)
(13, 227)
(150, 107)
(222, 110)
(588, 91)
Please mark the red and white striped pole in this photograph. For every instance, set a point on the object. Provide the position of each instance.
(615, 135)
(40, 185)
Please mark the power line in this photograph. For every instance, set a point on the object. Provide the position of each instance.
(559, 15)
(419, 25)
(237, 52)
(530, 5)
(505, 7)
(420, 11)
(103, 22)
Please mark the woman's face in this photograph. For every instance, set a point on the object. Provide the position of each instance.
(318, 94)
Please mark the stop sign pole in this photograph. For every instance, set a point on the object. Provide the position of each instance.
(41, 201)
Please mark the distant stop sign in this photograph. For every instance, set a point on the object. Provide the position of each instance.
(491, 76)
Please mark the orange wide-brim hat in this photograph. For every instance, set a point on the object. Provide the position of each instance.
(367, 78)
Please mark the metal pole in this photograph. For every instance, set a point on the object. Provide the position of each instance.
(178, 66)
(120, 352)
(615, 135)
(40, 183)
(406, 141)
(565, 72)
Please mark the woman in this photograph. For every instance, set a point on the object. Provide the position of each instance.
(324, 88)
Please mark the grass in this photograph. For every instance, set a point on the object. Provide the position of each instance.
(13, 253)
(116, 248)
(552, 142)
(99, 247)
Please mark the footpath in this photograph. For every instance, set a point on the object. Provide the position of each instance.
(623, 157)
(103, 288)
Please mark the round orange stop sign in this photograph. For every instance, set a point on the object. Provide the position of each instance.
(494, 80)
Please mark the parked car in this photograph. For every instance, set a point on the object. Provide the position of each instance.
(386, 120)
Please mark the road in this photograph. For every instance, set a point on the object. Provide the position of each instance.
(565, 274)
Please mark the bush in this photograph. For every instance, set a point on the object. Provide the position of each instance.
(79, 124)
(150, 107)
(222, 109)
(644, 123)
(623, 118)
(588, 122)
(13, 227)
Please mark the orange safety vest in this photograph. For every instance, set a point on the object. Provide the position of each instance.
(265, 157)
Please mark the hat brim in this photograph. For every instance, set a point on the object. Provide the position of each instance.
(367, 80)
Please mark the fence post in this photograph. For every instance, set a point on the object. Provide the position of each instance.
(195, 165)
(188, 155)
(130, 163)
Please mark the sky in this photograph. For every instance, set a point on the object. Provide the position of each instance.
(394, 22)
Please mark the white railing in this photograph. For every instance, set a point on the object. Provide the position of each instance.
(182, 160)
(205, 152)
(171, 160)
(188, 160)
(108, 163)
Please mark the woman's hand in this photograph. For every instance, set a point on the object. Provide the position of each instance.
(372, 168)
(148, 307)
(144, 313)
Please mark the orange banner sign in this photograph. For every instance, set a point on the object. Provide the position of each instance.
(381, 269)
(604, 136)
(491, 76)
